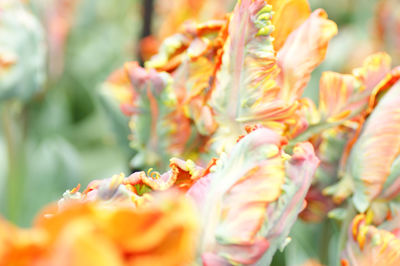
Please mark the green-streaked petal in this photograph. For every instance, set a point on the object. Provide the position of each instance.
(368, 245)
(376, 149)
(245, 86)
(391, 188)
(253, 198)
(160, 128)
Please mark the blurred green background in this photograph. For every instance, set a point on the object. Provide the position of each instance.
(66, 137)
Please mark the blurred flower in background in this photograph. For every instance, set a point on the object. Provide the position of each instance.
(388, 27)
(57, 133)
(58, 18)
(170, 16)
(22, 52)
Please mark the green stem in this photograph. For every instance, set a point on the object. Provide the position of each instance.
(326, 235)
(15, 154)
(350, 212)
(311, 131)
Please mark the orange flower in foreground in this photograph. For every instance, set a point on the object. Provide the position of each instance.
(161, 232)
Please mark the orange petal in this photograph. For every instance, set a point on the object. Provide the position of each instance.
(338, 95)
(303, 50)
(288, 16)
(160, 231)
(80, 243)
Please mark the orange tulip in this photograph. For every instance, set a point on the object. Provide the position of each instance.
(368, 245)
(162, 232)
(372, 168)
(159, 126)
(251, 198)
(258, 81)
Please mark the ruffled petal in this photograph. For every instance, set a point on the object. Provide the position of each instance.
(376, 149)
(253, 197)
(304, 49)
(368, 245)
